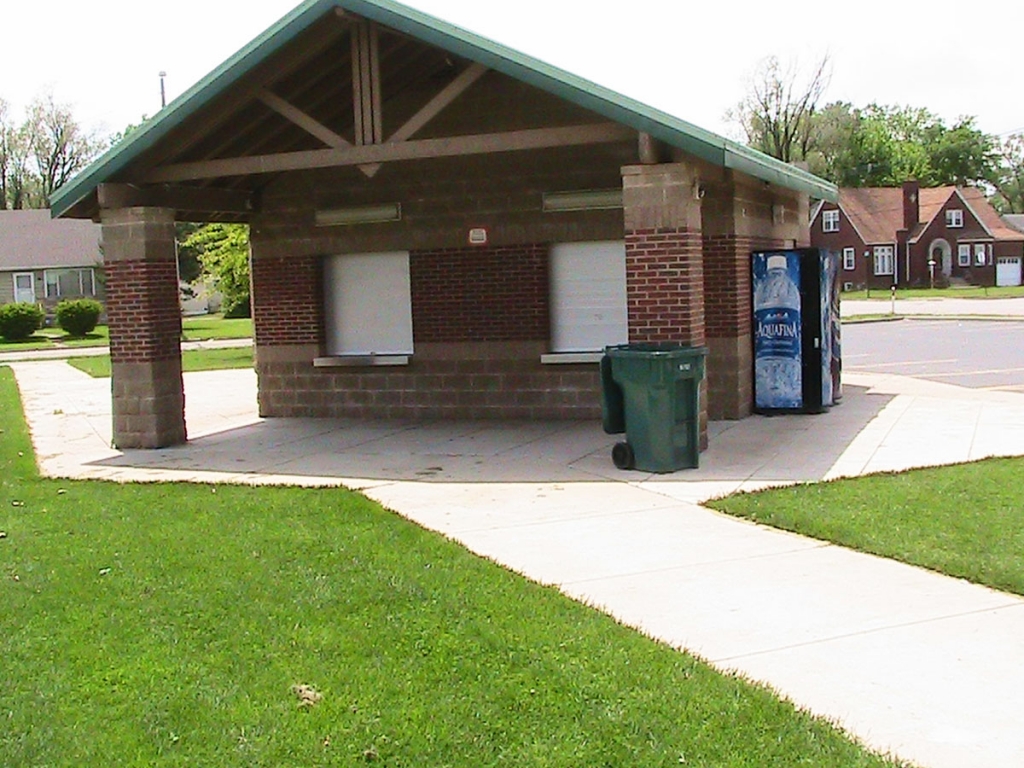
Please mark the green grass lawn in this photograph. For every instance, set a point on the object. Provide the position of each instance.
(966, 520)
(201, 328)
(98, 366)
(205, 327)
(972, 292)
(167, 624)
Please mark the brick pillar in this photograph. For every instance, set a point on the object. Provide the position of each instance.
(737, 219)
(144, 316)
(664, 262)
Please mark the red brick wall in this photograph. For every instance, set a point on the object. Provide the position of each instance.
(143, 312)
(665, 285)
(287, 298)
(727, 283)
(480, 294)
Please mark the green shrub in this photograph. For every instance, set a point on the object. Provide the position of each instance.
(21, 320)
(79, 316)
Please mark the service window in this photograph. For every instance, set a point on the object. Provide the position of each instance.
(368, 301)
(588, 296)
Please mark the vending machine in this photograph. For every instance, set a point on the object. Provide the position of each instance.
(797, 360)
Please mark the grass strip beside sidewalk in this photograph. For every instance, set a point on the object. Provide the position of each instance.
(98, 366)
(181, 624)
(965, 520)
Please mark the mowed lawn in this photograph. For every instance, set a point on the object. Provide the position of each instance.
(195, 625)
(965, 520)
(199, 328)
(98, 366)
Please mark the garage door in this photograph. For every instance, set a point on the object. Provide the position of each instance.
(1008, 271)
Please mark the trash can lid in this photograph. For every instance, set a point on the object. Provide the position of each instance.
(655, 348)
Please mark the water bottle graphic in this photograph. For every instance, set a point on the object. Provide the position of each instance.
(777, 333)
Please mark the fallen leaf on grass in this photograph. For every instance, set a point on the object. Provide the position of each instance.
(308, 695)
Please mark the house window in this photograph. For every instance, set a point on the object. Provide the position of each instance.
(849, 259)
(368, 304)
(979, 254)
(963, 255)
(588, 296)
(883, 259)
(62, 283)
(830, 221)
(954, 218)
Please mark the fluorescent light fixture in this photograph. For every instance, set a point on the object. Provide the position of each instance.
(583, 200)
(365, 214)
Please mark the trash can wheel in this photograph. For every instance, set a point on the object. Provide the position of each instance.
(622, 456)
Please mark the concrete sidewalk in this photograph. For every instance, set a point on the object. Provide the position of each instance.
(929, 667)
(945, 306)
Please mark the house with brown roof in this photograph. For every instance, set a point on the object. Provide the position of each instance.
(44, 260)
(918, 237)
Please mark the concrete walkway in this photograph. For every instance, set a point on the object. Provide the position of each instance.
(928, 667)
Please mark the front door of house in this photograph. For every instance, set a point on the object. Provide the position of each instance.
(25, 287)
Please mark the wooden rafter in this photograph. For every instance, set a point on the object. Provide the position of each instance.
(305, 122)
(436, 105)
(512, 141)
(366, 94)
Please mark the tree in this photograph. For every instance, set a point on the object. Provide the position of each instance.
(58, 144)
(41, 153)
(1008, 178)
(223, 250)
(16, 183)
(777, 113)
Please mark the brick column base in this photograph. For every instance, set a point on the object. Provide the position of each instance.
(149, 404)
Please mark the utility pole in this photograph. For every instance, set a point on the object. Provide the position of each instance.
(163, 91)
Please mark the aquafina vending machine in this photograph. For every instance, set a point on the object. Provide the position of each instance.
(796, 331)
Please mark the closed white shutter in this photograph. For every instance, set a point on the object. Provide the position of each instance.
(368, 304)
(588, 296)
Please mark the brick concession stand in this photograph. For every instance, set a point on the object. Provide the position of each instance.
(409, 186)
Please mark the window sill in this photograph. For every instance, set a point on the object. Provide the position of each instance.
(361, 361)
(571, 358)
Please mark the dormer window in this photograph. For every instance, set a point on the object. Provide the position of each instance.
(954, 218)
(830, 221)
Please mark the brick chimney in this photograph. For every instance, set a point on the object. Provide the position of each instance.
(911, 204)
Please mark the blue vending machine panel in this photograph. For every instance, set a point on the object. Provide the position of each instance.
(778, 324)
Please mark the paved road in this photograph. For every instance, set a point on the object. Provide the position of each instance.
(969, 353)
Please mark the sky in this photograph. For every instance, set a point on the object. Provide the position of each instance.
(693, 60)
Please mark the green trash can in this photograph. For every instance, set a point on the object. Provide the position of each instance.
(652, 393)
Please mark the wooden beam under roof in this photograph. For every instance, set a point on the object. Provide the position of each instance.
(195, 199)
(455, 146)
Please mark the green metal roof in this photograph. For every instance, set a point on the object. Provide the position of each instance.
(691, 139)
